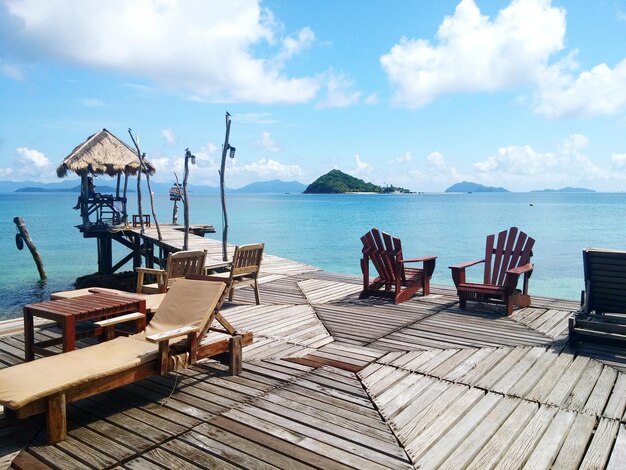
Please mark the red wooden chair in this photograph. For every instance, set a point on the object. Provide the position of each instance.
(506, 259)
(394, 280)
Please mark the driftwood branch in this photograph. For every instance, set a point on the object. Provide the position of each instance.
(25, 236)
(143, 166)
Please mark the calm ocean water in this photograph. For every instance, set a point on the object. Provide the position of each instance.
(324, 230)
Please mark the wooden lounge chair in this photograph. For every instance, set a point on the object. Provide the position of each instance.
(179, 334)
(602, 316)
(506, 259)
(394, 279)
(244, 269)
(178, 265)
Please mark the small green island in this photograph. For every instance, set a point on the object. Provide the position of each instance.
(338, 182)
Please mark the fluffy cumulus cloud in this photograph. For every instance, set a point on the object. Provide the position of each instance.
(267, 143)
(518, 167)
(28, 164)
(32, 157)
(618, 161)
(205, 48)
(563, 93)
(476, 53)
(264, 169)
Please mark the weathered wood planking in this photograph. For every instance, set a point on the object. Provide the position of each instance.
(538, 374)
(443, 424)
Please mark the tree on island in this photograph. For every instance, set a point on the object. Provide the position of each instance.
(338, 182)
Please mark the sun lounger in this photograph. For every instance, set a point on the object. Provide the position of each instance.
(178, 335)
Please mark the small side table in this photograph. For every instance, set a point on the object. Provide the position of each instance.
(68, 312)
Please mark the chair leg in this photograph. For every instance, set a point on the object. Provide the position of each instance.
(509, 306)
(235, 365)
(462, 302)
(257, 295)
(231, 293)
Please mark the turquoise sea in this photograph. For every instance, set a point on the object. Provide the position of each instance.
(324, 230)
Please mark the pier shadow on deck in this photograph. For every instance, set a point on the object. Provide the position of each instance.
(332, 381)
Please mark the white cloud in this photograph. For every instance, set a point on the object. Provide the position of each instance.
(476, 53)
(600, 90)
(204, 48)
(339, 92)
(522, 168)
(267, 143)
(371, 98)
(362, 168)
(32, 157)
(404, 158)
(265, 169)
(619, 161)
(168, 135)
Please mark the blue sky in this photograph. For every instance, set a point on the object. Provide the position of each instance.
(525, 94)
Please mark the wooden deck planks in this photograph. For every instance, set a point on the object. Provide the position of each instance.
(438, 387)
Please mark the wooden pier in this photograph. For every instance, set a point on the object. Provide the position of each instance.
(334, 382)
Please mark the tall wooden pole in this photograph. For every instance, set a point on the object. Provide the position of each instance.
(186, 200)
(24, 235)
(225, 149)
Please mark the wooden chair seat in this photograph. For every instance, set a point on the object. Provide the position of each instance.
(395, 280)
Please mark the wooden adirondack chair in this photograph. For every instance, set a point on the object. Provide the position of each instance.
(244, 269)
(602, 316)
(506, 259)
(179, 265)
(394, 280)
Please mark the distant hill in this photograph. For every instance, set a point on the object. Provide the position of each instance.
(273, 186)
(469, 187)
(12, 186)
(73, 186)
(567, 189)
(338, 182)
(74, 189)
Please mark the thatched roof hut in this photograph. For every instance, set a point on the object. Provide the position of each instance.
(102, 153)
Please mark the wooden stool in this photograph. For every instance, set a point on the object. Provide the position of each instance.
(137, 220)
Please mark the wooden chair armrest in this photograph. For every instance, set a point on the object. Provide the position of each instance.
(521, 269)
(154, 271)
(417, 260)
(467, 264)
(167, 335)
(119, 319)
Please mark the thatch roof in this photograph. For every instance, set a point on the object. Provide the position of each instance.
(102, 153)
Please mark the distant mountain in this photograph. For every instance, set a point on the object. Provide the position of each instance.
(338, 182)
(469, 187)
(74, 189)
(273, 186)
(12, 186)
(567, 189)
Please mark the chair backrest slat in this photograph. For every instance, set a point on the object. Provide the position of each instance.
(605, 280)
(247, 259)
(383, 251)
(181, 263)
(512, 249)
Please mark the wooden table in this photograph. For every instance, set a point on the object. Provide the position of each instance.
(68, 312)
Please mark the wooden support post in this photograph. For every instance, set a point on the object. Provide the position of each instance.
(56, 418)
(235, 366)
(23, 231)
